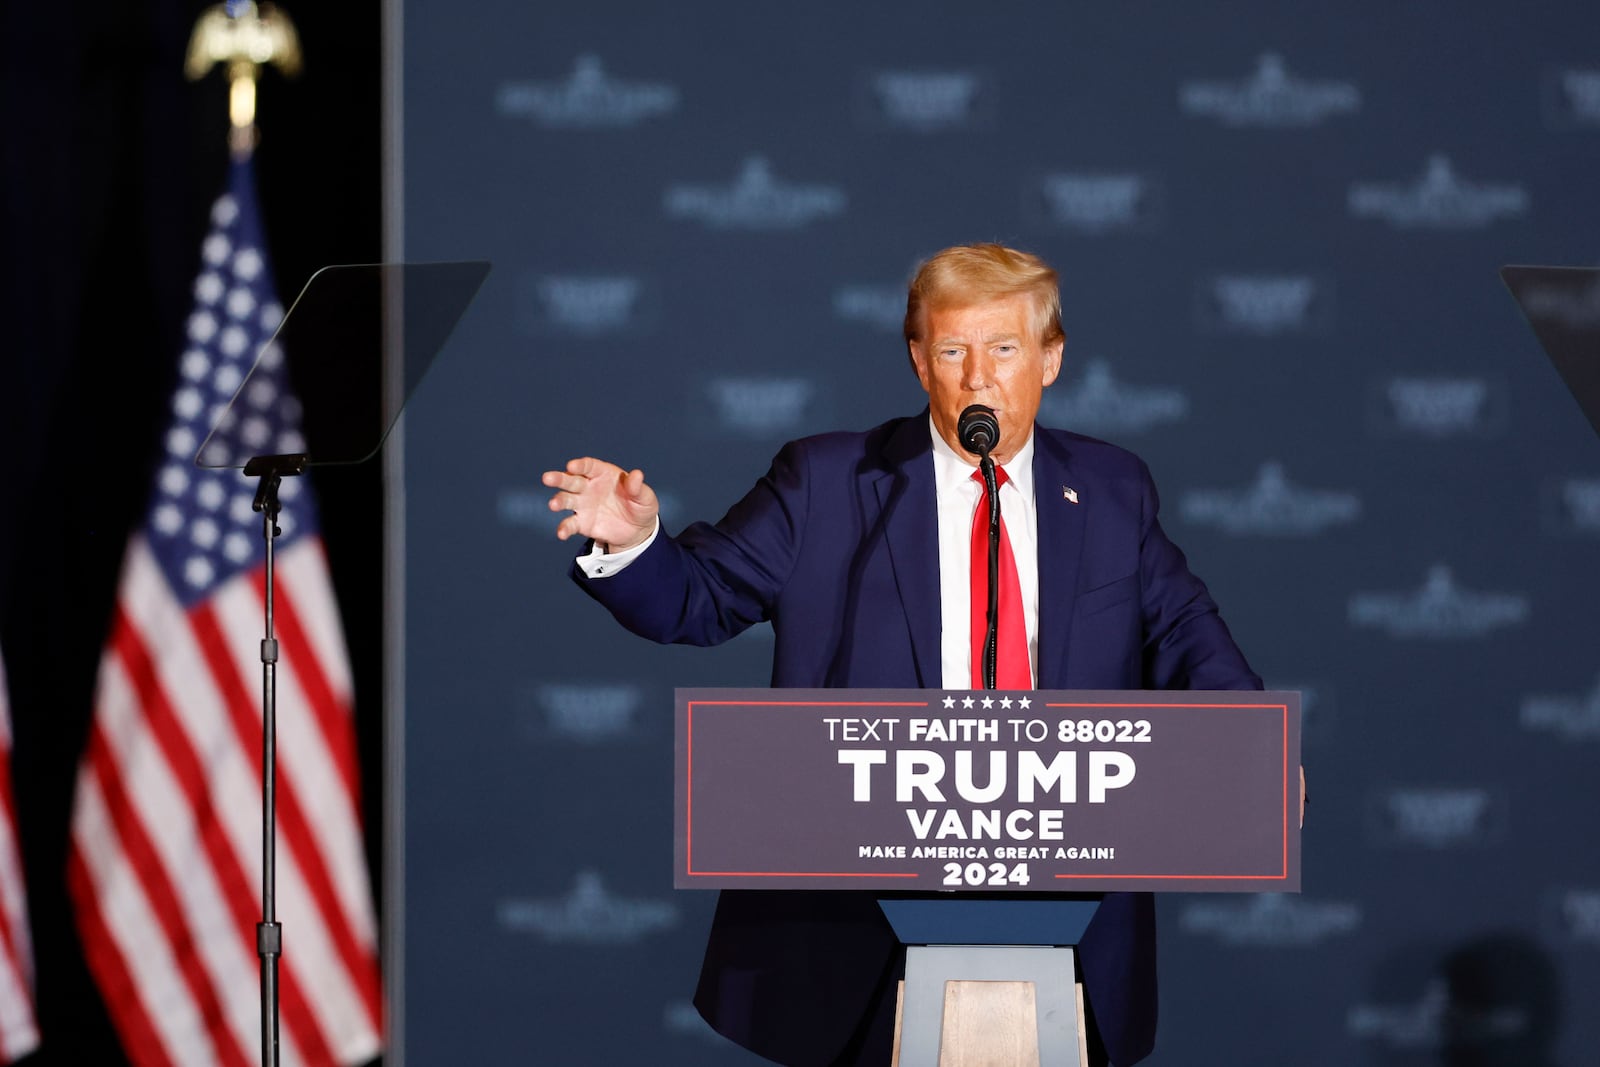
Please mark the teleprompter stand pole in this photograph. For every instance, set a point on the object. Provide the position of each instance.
(269, 933)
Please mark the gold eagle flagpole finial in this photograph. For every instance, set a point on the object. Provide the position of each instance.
(246, 38)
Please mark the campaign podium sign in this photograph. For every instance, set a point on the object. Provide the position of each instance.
(960, 809)
(950, 790)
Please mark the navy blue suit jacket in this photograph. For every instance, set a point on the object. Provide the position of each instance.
(837, 546)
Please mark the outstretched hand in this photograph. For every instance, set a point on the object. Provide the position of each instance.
(613, 506)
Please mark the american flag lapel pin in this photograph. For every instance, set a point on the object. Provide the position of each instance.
(1069, 493)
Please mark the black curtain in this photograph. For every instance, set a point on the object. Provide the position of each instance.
(111, 161)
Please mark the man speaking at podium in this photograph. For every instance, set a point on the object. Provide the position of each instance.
(860, 550)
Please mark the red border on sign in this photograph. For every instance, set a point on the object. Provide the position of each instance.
(688, 830)
(1284, 793)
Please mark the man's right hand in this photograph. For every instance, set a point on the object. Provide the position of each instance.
(613, 506)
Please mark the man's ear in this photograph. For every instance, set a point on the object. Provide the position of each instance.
(918, 362)
(1052, 360)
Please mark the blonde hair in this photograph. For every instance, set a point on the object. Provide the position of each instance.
(977, 273)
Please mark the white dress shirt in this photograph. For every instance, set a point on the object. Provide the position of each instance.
(598, 564)
(957, 499)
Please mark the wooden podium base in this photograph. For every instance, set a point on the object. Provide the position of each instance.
(990, 1024)
(980, 988)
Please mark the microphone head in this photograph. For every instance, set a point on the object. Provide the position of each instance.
(978, 429)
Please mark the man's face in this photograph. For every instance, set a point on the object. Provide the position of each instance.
(985, 354)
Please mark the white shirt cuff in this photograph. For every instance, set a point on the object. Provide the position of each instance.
(598, 564)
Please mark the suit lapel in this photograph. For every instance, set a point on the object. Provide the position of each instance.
(905, 493)
(1061, 522)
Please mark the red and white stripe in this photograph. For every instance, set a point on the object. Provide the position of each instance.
(165, 865)
(19, 1031)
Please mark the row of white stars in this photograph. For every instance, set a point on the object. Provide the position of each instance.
(211, 493)
(198, 570)
(205, 532)
(255, 432)
(988, 702)
(233, 339)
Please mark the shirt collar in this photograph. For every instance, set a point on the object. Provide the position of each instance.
(951, 471)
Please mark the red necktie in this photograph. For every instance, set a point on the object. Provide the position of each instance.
(1011, 669)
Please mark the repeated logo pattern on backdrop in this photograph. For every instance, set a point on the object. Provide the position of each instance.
(1278, 234)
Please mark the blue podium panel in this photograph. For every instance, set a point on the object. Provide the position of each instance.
(962, 921)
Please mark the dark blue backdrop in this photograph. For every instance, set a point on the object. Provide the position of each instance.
(1278, 227)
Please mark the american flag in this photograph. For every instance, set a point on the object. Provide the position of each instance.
(19, 1033)
(165, 861)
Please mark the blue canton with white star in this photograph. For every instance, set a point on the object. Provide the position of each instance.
(201, 526)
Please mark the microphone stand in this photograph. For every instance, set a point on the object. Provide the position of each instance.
(269, 932)
(990, 640)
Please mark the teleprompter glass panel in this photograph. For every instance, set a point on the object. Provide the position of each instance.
(359, 338)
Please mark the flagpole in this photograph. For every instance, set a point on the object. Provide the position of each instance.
(237, 34)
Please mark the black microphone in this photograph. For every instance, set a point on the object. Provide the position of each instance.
(978, 429)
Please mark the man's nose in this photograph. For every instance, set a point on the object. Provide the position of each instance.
(977, 371)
